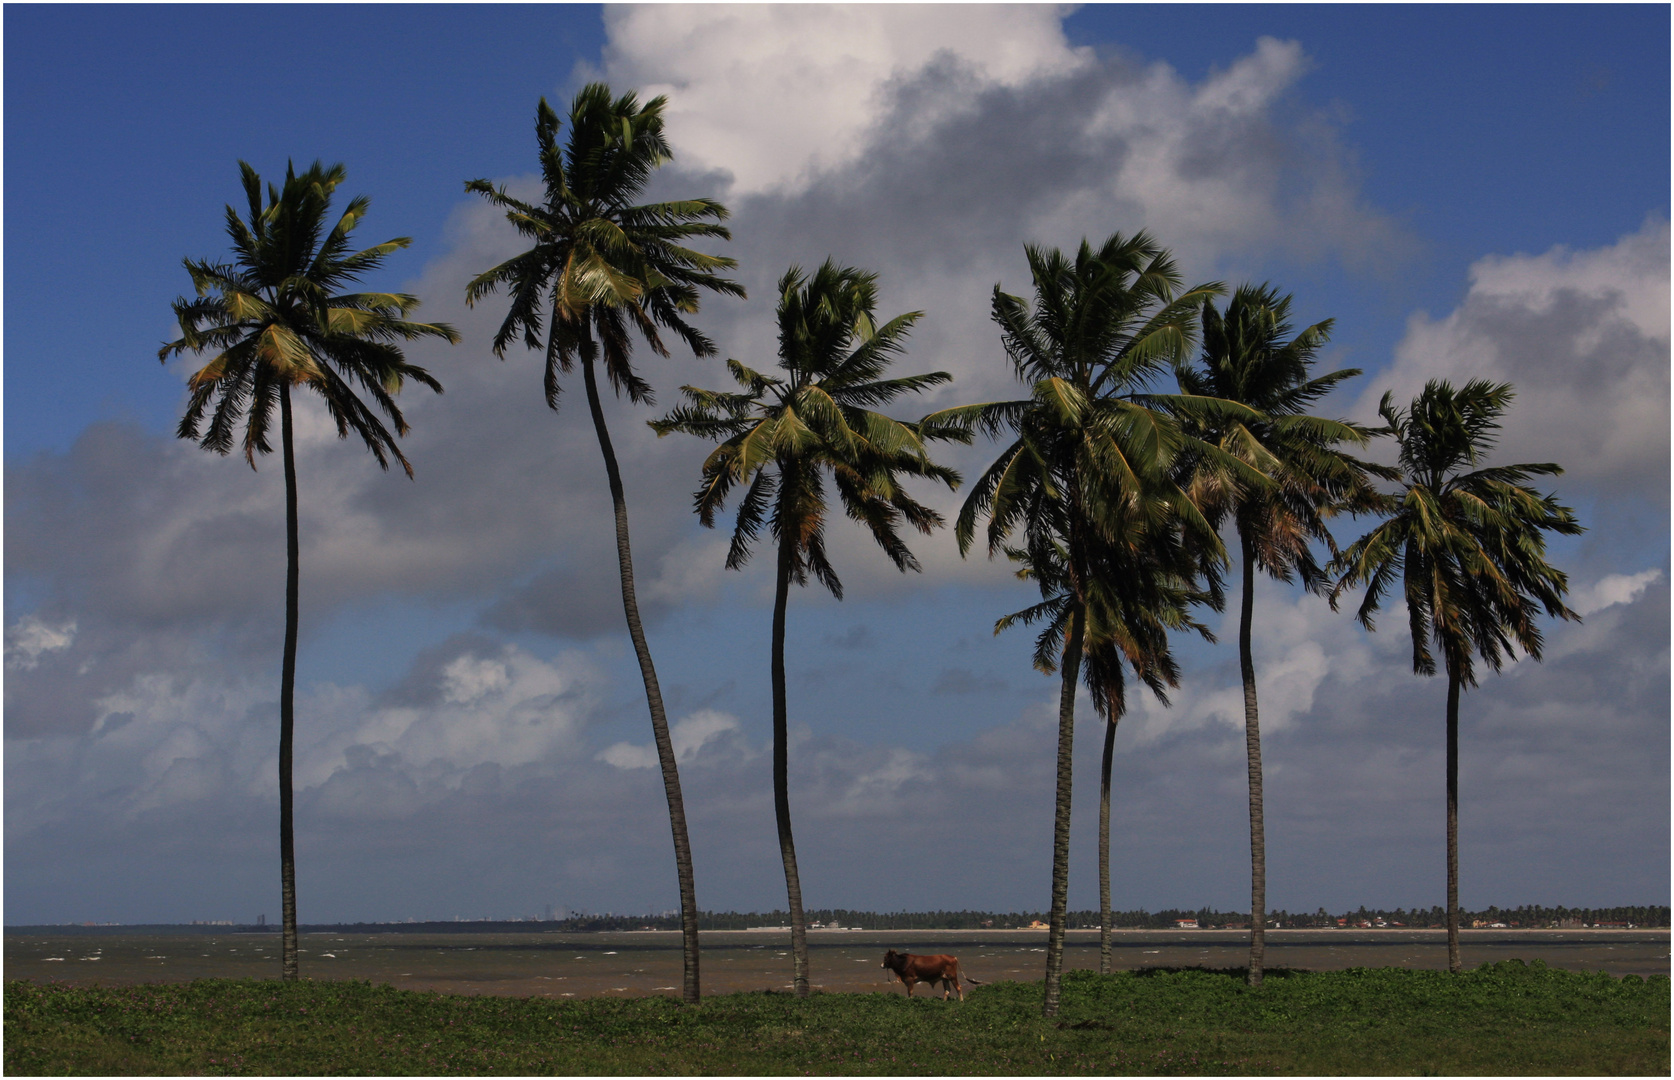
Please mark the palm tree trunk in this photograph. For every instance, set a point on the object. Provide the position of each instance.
(1252, 756)
(781, 767)
(1061, 815)
(287, 699)
(1104, 844)
(1454, 964)
(653, 693)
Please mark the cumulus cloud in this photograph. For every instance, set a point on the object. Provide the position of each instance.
(29, 637)
(169, 738)
(1612, 589)
(397, 814)
(508, 708)
(1219, 168)
(1298, 643)
(979, 108)
(1584, 338)
(689, 734)
(773, 94)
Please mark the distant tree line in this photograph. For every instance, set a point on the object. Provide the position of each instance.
(1525, 917)
(1165, 919)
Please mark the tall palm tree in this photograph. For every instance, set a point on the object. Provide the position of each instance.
(1250, 356)
(1092, 448)
(601, 268)
(1140, 587)
(275, 319)
(1467, 543)
(782, 437)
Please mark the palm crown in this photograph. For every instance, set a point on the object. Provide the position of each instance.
(602, 266)
(1094, 450)
(1247, 358)
(781, 434)
(275, 317)
(1464, 539)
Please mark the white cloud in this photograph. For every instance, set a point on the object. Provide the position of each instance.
(468, 678)
(691, 572)
(28, 639)
(1612, 589)
(508, 709)
(1183, 174)
(884, 789)
(375, 814)
(1583, 336)
(1298, 643)
(689, 735)
(799, 99)
(775, 93)
(166, 739)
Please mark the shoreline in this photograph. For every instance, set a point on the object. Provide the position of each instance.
(1216, 934)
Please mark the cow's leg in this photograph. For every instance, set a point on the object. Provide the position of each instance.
(909, 983)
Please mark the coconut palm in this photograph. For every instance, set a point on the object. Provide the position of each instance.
(275, 318)
(1251, 356)
(601, 269)
(1466, 542)
(1093, 451)
(782, 437)
(1140, 587)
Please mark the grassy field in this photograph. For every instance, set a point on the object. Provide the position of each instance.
(1507, 1018)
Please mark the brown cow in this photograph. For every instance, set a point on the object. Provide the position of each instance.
(928, 970)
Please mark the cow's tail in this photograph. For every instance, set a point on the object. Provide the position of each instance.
(969, 978)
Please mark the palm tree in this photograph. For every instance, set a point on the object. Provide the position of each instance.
(1466, 542)
(275, 319)
(1140, 587)
(1250, 356)
(1093, 454)
(782, 436)
(602, 267)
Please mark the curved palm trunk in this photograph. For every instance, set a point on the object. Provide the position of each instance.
(781, 769)
(653, 693)
(1454, 964)
(287, 698)
(1252, 755)
(1104, 844)
(1061, 816)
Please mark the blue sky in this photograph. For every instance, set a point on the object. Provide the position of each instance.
(1466, 190)
(1481, 128)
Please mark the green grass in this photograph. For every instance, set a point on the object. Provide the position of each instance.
(1504, 1018)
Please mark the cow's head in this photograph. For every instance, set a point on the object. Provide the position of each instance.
(892, 959)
